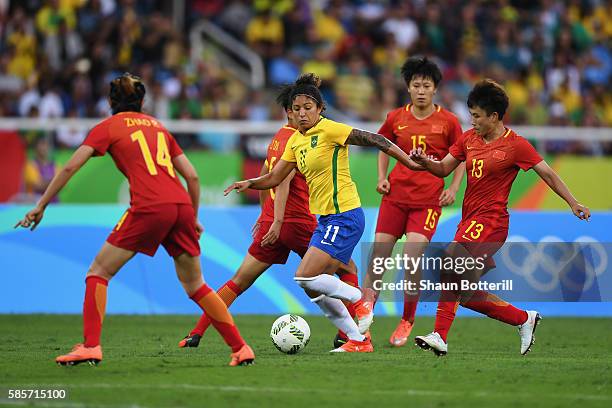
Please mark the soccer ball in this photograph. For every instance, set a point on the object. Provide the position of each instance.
(290, 333)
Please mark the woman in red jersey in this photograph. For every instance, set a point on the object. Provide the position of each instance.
(285, 225)
(161, 212)
(412, 201)
(493, 155)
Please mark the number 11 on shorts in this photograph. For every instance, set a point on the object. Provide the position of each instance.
(336, 229)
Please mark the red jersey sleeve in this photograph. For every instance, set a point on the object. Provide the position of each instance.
(526, 156)
(387, 127)
(457, 150)
(99, 139)
(173, 146)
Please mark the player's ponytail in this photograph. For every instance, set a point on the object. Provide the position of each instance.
(283, 98)
(308, 85)
(126, 93)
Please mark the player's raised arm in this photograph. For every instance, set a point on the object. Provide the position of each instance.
(265, 182)
(438, 168)
(78, 159)
(553, 180)
(360, 137)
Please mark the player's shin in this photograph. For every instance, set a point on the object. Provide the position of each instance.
(410, 306)
(337, 313)
(228, 293)
(350, 279)
(220, 317)
(94, 308)
(445, 314)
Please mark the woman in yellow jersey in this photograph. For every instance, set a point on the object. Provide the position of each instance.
(319, 150)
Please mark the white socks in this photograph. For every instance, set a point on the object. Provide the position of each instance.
(330, 286)
(337, 313)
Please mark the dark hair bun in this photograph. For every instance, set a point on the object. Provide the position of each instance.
(309, 79)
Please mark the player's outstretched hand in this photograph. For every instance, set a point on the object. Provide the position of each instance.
(272, 235)
(31, 219)
(581, 211)
(239, 186)
(418, 156)
(447, 197)
(383, 187)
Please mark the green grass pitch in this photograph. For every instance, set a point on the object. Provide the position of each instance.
(570, 365)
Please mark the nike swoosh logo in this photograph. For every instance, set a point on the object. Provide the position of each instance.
(400, 127)
(469, 147)
(326, 243)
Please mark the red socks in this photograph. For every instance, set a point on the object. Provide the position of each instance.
(445, 316)
(216, 311)
(352, 280)
(481, 302)
(496, 308)
(94, 307)
(410, 306)
(228, 293)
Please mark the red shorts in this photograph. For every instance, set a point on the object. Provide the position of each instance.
(293, 237)
(482, 237)
(398, 219)
(144, 229)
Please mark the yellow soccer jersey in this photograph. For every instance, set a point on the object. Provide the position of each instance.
(321, 156)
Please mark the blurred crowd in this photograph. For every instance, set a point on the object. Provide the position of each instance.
(553, 56)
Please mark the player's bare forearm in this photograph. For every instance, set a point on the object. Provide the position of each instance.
(553, 180)
(78, 159)
(440, 168)
(383, 166)
(457, 176)
(193, 188)
(263, 194)
(360, 137)
(274, 178)
(185, 168)
(280, 200)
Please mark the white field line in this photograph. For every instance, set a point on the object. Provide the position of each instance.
(273, 390)
(60, 404)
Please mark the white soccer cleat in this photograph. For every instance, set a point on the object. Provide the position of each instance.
(432, 342)
(527, 330)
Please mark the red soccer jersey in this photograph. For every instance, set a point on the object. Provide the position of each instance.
(435, 134)
(297, 208)
(491, 169)
(142, 150)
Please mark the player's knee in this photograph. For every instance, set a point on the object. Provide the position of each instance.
(97, 269)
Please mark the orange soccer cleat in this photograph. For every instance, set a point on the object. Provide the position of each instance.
(354, 346)
(364, 311)
(244, 356)
(399, 337)
(81, 354)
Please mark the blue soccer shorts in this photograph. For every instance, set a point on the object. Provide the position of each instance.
(338, 234)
